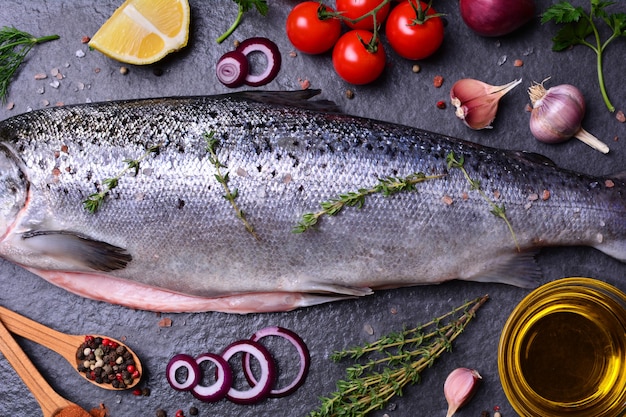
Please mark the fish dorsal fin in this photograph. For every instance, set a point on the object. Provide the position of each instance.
(295, 98)
(533, 157)
(76, 249)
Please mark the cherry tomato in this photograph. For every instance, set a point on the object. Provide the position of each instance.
(354, 62)
(307, 32)
(353, 9)
(413, 36)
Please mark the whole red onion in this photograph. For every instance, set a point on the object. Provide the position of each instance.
(496, 17)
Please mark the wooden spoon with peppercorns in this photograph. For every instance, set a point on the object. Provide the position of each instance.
(51, 403)
(87, 353)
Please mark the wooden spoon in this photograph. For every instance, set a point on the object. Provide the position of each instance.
(51, 403)
(64, 344)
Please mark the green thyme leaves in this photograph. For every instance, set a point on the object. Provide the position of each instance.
(386, 366)
(387, 186)
(230, 195)
(94, 202)
(497, 210)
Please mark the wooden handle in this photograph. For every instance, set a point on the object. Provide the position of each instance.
(49, 401)
(64, 344)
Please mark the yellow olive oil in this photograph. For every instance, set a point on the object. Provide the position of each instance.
(566, 357)
(563, 351)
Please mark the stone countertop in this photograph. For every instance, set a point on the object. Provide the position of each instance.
(400, 96)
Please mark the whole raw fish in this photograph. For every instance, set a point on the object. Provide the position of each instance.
(165, 237)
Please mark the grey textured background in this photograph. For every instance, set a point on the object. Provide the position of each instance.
(399, 96)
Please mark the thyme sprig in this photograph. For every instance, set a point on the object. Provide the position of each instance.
(401, 357)
(94, 202)
(223, 179)
(475, 185)
(14, 46)
(386, 186)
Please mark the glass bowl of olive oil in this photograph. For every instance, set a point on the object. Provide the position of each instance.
(562, 351)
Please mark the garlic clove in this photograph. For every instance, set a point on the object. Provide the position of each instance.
(459, 388)
(476, 102)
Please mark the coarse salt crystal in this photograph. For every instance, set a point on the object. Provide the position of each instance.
(80, 53)
(55, 84)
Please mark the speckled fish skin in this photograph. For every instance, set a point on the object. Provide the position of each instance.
(167, 240)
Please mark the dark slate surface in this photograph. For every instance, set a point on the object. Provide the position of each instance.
(399, 96)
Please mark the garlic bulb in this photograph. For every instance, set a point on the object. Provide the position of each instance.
(476, 102)
(459, 388)
(557, 115)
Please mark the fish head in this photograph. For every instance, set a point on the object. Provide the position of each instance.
(13, 188)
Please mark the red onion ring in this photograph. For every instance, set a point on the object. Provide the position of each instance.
(272, 54)
(232, 69)
(177, 362)
(223, 380)
(303, 352)
(260, 390)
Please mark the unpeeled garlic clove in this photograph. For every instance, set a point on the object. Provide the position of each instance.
(459, 388)
(476, 102)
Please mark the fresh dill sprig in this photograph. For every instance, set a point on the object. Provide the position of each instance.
(14, 46)
(223, 179)
(496, 210)
(386, 186)
(94, 202)
(399, 360)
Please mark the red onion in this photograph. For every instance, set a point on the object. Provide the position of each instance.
(223, 380)
(272, 54)
(268, 372)
(232, 69)
(496, 17)
(178, 362)
(303, 353)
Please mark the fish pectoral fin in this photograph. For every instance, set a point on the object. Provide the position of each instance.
(339, 290)
(76, 249)
(518, 268)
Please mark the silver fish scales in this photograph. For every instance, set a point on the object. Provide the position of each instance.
(166, 239)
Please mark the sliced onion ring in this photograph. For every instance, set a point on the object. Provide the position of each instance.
(177, 362)
(303, 352)
(272, 54)
(223, 379)
(232, 69)
(258, 391)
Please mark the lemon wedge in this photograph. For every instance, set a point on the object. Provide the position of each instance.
(144, 31)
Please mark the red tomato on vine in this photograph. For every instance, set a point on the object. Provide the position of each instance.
(355, 60)
(414, 29)
(307, 32)
(353, 9)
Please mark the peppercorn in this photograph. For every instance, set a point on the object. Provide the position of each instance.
(161, 413)
(193, 411)
(441, 104)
